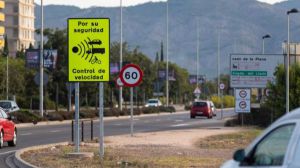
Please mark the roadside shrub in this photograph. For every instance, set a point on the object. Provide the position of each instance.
(187, 107)
(217, 101)
(228, 101)
(150, 110)
(25, 116)
(88, 113)
(54, 116)
(167, 109)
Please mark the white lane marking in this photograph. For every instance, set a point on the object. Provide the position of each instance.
(178, 120)
(158, 120)
(26, 134)
(5, 153)
(136, 119)
(117, 124)
(180, 125)
(55, 131)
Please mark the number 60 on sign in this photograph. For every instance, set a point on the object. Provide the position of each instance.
(131, 75)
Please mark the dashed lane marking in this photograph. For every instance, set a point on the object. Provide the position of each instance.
(180, 125)
(26, 134)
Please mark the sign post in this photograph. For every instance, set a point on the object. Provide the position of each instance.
(131, 75)
(242, 102)
(88, 61)
(197, 92)
(222, 87)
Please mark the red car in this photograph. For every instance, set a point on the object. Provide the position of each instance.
(202, 108)
(8, 129)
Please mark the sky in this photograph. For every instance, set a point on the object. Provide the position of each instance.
(110, 3)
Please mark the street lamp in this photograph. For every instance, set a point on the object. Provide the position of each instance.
(121, 53)
(263, 52)
(263, 42)
(42, 61)
(167, 73)
(294, 10)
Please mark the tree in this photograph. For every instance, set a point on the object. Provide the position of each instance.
(277, 97)
(5, 49)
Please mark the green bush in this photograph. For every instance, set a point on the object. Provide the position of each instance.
(228, 101)
(24, 116)
(167, 109)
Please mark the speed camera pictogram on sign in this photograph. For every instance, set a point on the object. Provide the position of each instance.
(131, 75)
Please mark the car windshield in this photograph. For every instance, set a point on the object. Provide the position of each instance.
(199, 104)
(152, 101)
(5, 105)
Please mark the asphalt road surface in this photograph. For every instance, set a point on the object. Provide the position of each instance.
(39, 135)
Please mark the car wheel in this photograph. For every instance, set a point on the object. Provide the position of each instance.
(1, 139)
(192, 116)
(13, 142)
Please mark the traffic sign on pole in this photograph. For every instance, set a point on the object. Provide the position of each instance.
(131, 75)
(88, 48)
(119, 82)
(222, 86)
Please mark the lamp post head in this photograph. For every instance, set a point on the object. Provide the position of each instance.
(266, 36)
(294, 10)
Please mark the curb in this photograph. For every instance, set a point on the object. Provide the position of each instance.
(22, 163)
(43, 123)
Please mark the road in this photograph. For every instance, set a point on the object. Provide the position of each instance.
(39, 135)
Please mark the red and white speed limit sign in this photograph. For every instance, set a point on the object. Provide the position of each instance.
(131, 75)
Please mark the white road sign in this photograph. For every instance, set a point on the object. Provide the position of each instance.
(222, 86)
(242, 100)
(253, 71)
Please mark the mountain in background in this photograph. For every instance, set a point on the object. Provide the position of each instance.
(240, 24)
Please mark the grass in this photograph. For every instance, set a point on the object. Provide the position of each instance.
(210, 152)
(229, 141)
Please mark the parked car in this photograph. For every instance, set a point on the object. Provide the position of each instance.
(278, 146)
(9, 106)
(8, 130)
(201, 108)
(153, 103)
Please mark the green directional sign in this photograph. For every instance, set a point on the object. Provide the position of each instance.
(249, 73)
(88, 48)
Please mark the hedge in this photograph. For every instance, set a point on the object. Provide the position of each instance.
(25, 116)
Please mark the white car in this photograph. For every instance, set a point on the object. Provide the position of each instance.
(277, 147)
(153, 103)
(9, 106)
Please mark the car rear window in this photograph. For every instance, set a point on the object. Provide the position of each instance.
(152, 101)
(199, 104)
(5, 104)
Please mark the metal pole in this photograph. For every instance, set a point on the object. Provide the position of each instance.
(121, 53)
(167, 73)
(197, 53)
(287, 69)
(82, 131)
(131, 111)
(263, 46)
(7, 77)
(222, 106)
(42, 62)
(92, 130)
(101, 115)
(70, 96)
(218, 63)
(77, 124)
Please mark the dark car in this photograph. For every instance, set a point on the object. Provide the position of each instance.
(8, 130)
(201, 108)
